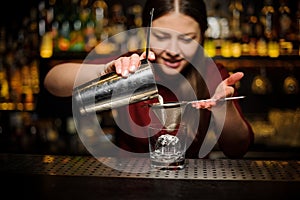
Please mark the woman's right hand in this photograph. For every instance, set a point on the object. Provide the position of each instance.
(126, 65)
(223, 90)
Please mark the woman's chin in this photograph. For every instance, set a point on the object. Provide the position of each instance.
(170, 71)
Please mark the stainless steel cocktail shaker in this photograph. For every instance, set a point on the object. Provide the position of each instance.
(112, 90)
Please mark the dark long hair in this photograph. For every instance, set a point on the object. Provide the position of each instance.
(193, 8)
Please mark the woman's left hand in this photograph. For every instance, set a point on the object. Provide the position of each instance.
(224, 89)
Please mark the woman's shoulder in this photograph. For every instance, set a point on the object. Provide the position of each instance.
(221, 67)
(218, 67)
(223, 71)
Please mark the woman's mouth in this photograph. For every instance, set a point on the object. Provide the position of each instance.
(172, 63)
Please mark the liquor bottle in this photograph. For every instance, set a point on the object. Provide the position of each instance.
(46, 48)
(64, 35)
(268, 19)
(4, 86)
(236, 9)
(251, 29)
(100, 12)
(46, 21)
(134, 16)
(285, 24)
(270, 33)
(117, 25)
(32, 33)
(285, 20)
(88, 28)
(219, 28)
(42, 17)
(76, 34)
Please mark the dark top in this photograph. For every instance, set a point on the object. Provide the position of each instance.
(137, 116)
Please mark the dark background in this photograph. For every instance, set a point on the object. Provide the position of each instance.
(13, 11)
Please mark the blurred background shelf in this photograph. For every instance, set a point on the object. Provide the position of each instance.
(34, 121)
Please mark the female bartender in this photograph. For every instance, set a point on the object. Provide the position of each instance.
(178, 25)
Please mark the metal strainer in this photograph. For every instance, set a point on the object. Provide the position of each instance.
(170, 114)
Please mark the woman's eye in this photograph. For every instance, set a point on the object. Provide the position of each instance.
(161, 36)
(186, 39)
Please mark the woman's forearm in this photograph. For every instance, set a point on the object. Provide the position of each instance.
(62, 78)
(235, 136)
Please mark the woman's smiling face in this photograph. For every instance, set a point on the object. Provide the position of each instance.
(175, 38)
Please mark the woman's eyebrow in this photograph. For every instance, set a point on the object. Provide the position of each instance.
(162, 32)
(189, 33)
(179, 34)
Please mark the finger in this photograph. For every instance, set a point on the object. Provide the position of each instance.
(208, 107)
(203, 105)
(233, 78)
(124, 66)
(109, 67)
(118, 66)
(226, 92)
(134, 62)
(229, 91)
(151, 55)
(198, 106)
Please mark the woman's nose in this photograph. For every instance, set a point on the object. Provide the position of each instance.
(172, 53)
(173, 49)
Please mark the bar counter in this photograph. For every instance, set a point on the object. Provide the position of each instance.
(85, 177)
